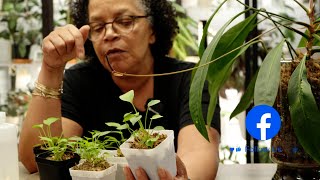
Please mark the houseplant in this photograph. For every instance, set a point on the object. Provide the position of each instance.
(94, 165)
(217, 62)
(55, 158)
(184, 44)
(147, 148)
(23, 19)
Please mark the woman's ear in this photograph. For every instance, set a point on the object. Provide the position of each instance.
(152, 38)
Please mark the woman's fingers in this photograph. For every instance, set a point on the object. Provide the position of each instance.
(181, 168)
(63, 44)
(127, 173)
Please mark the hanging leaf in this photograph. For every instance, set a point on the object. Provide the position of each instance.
(246, 98)
(267, 84)
(230, 40)
(304, 111)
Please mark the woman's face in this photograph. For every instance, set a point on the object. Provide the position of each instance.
(127, 52)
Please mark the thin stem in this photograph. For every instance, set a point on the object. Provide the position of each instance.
(145, 118)
(288, 44)
(193, 68)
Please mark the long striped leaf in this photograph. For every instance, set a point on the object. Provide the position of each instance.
(266, 88)
(304, 112)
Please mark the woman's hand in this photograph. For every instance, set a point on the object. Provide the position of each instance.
(163, 174)
(63, 44)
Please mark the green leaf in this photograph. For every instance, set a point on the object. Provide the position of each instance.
(156, 116)
(50, 120)
(158, 128)
(267, 84)
(40, 126)
(153, 102)
(122, 127)
(205, 31)
(128, 96)
(113, 124)
(128, 116)
(304, 111)
(149, 142)
(49, 140)
(246, 98)
(197, 84)
(135, 119)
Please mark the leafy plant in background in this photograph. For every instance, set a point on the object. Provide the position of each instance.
(16, 103)
(227, 45)
(57, 145)
(185, 43)
(23, 19)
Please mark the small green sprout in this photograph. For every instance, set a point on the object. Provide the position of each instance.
(145, 139)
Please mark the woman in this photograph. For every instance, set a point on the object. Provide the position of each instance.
(129, 36)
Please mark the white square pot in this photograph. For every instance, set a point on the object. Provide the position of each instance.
(151, 159)
(121, 162)
(107, 174)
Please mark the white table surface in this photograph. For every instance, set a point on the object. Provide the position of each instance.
(225, 172)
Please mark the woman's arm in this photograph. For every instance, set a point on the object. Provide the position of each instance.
(60, 46)
(200, 157)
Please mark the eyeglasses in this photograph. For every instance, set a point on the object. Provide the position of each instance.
(120, 25)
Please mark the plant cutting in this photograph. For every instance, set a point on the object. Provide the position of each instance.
(55, 159)
(94, 165)
(147, 148)
(297, 103)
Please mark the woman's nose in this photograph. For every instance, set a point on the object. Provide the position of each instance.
(110, 33)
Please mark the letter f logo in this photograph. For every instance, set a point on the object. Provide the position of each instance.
(257, 125)
(263, 125)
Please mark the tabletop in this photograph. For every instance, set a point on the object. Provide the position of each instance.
(225, 172)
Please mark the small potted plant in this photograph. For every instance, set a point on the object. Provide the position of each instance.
(148, 148)
(116, 156)
(94, 164)
(55, 159)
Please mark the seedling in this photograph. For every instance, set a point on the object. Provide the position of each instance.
(143, 138)
(91, 150)
(57, 145)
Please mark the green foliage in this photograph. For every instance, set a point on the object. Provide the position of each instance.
(23, 19)
(91, 148)
(142, 135)
(184, 43)
(57, 145)
(16, 103)
(222, 53)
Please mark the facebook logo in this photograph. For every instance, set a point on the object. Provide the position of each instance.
(263, 122)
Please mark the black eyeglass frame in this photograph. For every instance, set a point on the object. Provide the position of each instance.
(117, 18)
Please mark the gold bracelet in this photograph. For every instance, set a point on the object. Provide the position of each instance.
(35, 93)
(44, 91)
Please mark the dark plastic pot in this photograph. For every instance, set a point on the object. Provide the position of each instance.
(54, 170)
(38, 150)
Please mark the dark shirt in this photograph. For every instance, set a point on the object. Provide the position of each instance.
(91, 98)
